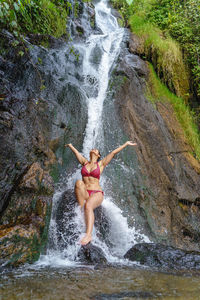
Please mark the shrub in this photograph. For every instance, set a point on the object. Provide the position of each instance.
(34, 16)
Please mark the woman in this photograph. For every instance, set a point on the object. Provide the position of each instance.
(88, 191)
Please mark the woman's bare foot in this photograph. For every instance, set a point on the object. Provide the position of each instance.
(86, 239)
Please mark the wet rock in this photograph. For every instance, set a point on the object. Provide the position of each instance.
(24, 224)
(169, 175)
(37, 179)
(91, 254)
(126, 295)
(102, 224)
(166, 257)
(68, 231)
(135, 45)
(45, 39)
(41, 109)
(18, 244)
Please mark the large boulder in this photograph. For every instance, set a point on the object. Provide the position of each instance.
(166, 257)
(91, 254)
(68, 230)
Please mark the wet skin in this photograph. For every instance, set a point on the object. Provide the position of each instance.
(91, 183)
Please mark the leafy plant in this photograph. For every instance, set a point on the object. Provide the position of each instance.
(34, 16)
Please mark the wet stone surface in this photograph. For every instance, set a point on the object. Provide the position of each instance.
(91, 254)
(68, 230)
(165, 257)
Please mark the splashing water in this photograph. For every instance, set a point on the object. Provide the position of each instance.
(100, 53)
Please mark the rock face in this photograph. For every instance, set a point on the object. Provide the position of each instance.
(67, 229)
(165, 257)
(41, 109)
(170, 198)
(36, 118)
(26, 187)
(25, 222)
(91, 254)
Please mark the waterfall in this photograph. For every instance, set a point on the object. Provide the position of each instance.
(100, 52)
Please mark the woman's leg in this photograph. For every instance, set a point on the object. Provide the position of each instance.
(81, 192)
(93, 202)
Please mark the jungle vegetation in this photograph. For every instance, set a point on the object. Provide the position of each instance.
(34, 16)
(177, 19)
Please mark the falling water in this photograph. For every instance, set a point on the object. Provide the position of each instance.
(100, 52)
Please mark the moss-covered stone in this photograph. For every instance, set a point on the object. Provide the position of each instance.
(24, 225)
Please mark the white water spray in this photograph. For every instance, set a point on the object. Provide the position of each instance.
(96, 78)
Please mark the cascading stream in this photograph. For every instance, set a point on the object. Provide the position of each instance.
(99, 55)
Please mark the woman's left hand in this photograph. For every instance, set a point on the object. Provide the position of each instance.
(130, 143)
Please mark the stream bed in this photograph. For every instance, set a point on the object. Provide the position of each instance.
(90, 282)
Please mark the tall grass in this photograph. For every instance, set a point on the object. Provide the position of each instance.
(164, 53)
(158, 92)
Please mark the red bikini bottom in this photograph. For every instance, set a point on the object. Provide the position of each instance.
(91, 192)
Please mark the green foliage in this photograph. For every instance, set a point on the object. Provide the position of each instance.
(164, 53)
(176, 18)
(158, 92)
(181, 19)
(123, 7)
(34, 16)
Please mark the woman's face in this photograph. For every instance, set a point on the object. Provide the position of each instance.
(95, 151)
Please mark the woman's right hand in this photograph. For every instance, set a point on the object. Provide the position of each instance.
(130, 143)
(68, 145)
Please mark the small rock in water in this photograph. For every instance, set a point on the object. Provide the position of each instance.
(91, 254)
(126, 295)
(162, 256)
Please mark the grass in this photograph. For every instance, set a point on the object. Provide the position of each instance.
(158, 92)
(164, 53)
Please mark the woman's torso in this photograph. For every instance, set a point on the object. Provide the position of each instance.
(91, 175)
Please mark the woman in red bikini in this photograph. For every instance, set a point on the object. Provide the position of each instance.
(88, 190)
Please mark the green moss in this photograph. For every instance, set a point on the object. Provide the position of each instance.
(45, 43)
(164, 53)
(55, 173)
(34, 252)
(15, 257)
(117, 81)
(121, 22)
(158, 92)
(33, 203)
(44, 235)
(76, 9)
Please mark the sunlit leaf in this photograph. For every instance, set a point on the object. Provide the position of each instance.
(129, 2)
(13, 24)
(16, 6)
(21, 53)
(16, 34)
(6, 5)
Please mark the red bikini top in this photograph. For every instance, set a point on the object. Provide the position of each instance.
(95, 173)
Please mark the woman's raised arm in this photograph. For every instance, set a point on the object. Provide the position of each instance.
(105, 161)
(79, 156)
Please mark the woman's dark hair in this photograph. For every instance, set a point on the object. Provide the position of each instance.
(99, 157)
